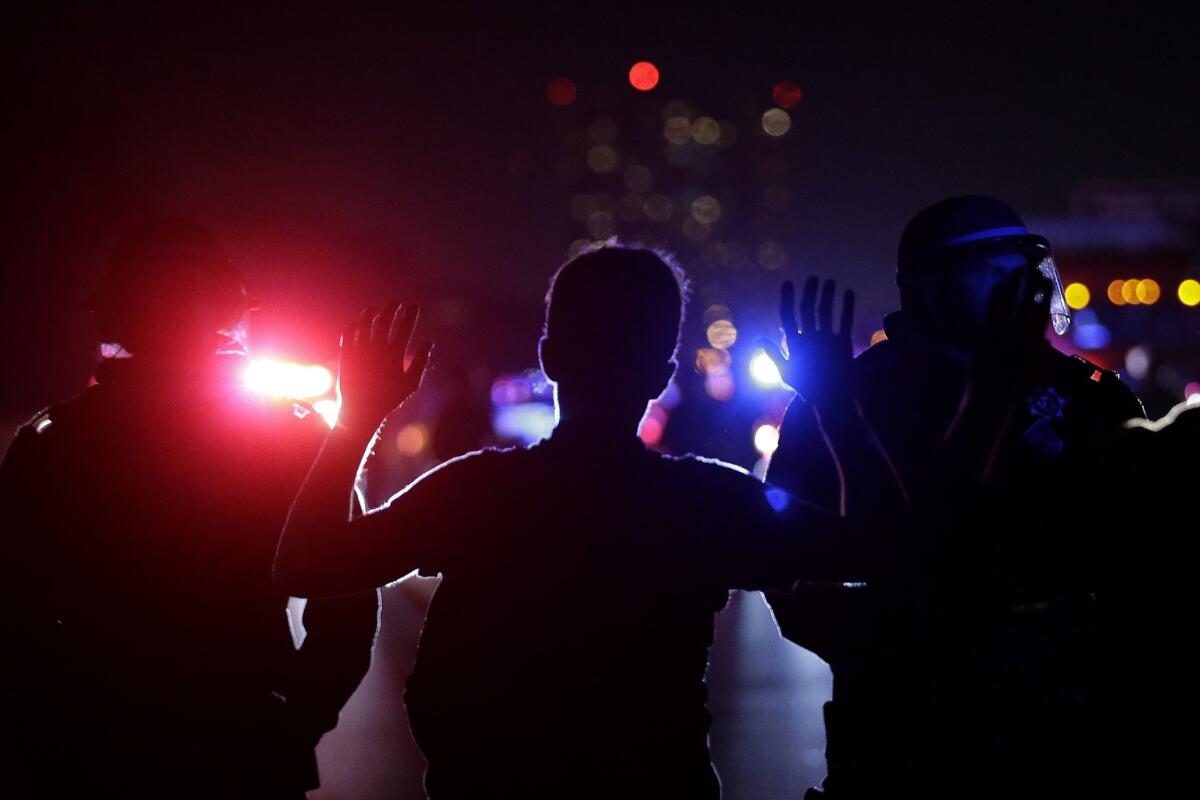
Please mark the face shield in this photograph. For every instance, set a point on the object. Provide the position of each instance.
(982, 257)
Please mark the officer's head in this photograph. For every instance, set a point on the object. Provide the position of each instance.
(954, 253)
(612, 328)
(169, 291)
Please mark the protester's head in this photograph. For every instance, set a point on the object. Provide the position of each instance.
(169, 291)
(612, 328)
(953, 254)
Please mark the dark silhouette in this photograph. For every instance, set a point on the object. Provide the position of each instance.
(147, 652)
(564, 652)
(963, 670)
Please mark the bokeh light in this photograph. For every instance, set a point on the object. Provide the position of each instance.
(1191, 393)
(643, 76)
(706, 209)
(716, 312)
(561, 92)
(1129, 292)
(1148, 291)
(1189, 292)
(766, 439)
(272, 378)
(878, 336)
(763, 370)
(722, 334)
(786, 94)
(1114, 292)
(706, 130)
(712, 361)
(1137, 362)
(602, 159)
(776, 122)
(719, 386)
(412, 439)
(1077, 296)
(659, 207)
(677, 130)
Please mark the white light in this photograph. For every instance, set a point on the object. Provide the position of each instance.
(766, 439)
(286, 379)
(1194, 399)
(1137, 362)
(764, 371)
(328, 409)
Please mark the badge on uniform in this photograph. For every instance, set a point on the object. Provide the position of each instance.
(1045, 405)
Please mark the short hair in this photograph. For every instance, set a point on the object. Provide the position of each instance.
(617, 299)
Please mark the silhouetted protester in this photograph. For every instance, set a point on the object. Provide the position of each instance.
(147, 651)
(964, 670)
(565, 649)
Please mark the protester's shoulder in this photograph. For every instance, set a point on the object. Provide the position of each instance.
(491, 461)
(706, 470)
(1098, 385)
(50, 427)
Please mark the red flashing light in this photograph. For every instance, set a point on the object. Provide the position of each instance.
(561, 92)
(787, 94)
(643, 76)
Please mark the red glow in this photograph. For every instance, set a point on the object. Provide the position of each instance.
(561, 92)
(787, 94)
(644, 76)
(651, 431)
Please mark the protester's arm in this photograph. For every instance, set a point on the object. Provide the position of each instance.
(320, 551)
(819, 368)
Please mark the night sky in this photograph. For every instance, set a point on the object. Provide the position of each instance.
(351, 156)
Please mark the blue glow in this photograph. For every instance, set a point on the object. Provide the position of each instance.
(777, 498)
(525, 422)
(1089, 333)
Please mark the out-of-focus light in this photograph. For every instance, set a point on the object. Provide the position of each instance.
(561, 92)
(706, 130)
(719, 386)
(511, 391)
(1088, 333)
(1129, 292)
(1148, 291)
(1137, 362)
(1191, 393)
(412, 439)
(766, 439)
(1189, 292)
(602, 159)
(273, 378)
(763, 370)
(1114, 293)
(671, 396)
(786, 94)
(659, 207)
(712, 361)
(651, 431)
(643, 76)
(776, 122)
(716, 312)
(677, 130)
(601, 224)
(771, 255)
(777, 498)
(706, 209)
(1077, 296)
(878, 336)
(578, 246)
(526, 422)
(328, 409)
(722, 334)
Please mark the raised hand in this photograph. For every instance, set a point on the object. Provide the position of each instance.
(372, 377)
(818, 364)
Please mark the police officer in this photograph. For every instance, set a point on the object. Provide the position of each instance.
(965, 672)
(147, 652)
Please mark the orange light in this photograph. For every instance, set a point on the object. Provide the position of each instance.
(1129, 292)
(1114, 293)
(787, 94)
(1148, 291)
(561, 92)
(643, 76)
(877, 337)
